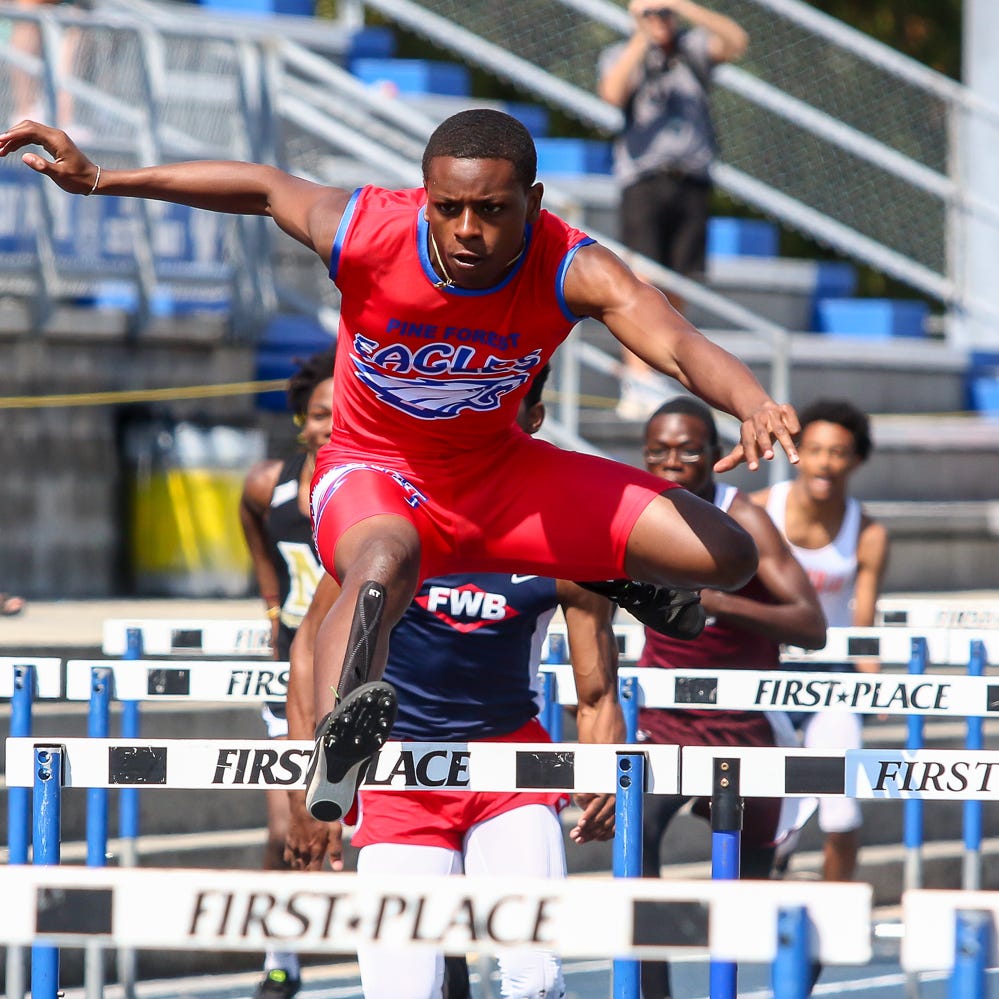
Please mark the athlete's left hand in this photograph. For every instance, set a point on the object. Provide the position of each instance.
(597, 820)
(308, 843)
(68, 167)
(771, 422)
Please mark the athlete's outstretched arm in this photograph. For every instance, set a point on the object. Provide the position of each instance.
(309, 841)
(308, 212)
(793, 614)
(600, 285)
(593, 652)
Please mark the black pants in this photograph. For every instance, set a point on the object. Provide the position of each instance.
(665, 218)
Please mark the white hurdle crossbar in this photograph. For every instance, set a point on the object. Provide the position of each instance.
(893, 645)
(207, 637)
(792, 690)
(186, 637)
(215, 764)
(936, 612)
(733, 689)
(929, 917)
(48, 675)
(489, 766)
(249, 680)
(317, 912)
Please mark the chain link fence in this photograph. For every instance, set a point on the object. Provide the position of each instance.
(823, 118)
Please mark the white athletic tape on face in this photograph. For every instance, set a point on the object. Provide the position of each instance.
(193, 680)
(190, 637)
(47, 674)
(936, 612)
(477, 766)
(929, 917)
(893, 646)
(319, 912)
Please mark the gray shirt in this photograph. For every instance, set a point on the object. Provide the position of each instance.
(668, 116)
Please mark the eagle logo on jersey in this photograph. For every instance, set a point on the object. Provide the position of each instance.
(466, 608)
(440, 380)
(427, 399)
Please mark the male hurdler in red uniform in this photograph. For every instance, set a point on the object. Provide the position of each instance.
(453, 296)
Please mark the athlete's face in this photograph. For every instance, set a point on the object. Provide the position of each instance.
(827, 459)
(677, 448)
(318, 417)
(477, 210)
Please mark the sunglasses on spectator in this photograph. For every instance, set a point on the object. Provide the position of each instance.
(663, 13)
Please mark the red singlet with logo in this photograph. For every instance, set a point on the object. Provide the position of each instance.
(413, 355)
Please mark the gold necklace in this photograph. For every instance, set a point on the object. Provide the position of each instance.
(448, 282)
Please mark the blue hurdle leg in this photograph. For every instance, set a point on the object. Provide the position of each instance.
(551, 713)
(971, 874)
(627, 693)
(972, 933)
(792, 968)
(628, 809)
(726, 837)
(98, 727)
(47, 822)
(128, 809)
(19, 812)
(912, 808)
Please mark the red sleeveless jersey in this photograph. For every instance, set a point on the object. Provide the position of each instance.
(425, 372)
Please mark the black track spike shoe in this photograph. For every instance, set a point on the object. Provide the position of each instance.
(673, 612)
(346, 739)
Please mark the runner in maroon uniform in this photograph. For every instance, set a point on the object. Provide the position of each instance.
(744, 630)
(446, 490)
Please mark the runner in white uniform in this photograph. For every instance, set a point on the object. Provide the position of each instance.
(845, 553)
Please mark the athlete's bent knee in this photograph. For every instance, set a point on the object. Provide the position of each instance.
(385, 549)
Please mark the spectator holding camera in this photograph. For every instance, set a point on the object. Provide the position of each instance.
(661, 78)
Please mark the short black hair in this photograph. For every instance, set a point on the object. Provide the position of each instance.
(303, 382)
(844, 414)
(484, 134)
(685, 405)
(533, 396)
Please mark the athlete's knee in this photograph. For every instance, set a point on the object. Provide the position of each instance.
(388, 554)
(531, 975)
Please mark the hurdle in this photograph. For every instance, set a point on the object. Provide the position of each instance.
(188, 636)
(475, 766)
(944, 695)
(22, 681)
(967, 950)
(503, 766)
(241, 910)
(954, 612)
(170, 684)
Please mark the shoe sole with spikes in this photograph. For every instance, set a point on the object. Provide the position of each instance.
(346, 739)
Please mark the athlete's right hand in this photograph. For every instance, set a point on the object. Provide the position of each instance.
(309, 842)
(68, 167)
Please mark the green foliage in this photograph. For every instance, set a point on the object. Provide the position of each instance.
(927, 30)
